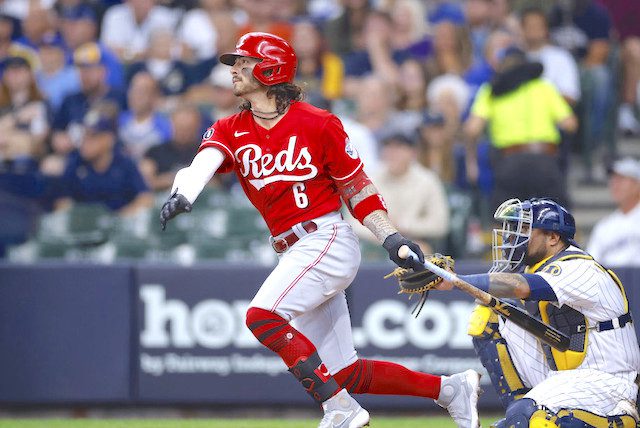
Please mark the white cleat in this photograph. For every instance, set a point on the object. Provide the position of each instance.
(459, 395)
(342, 411)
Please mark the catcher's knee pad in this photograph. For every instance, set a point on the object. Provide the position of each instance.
(526, 413)
(576, 418)
(494, 355)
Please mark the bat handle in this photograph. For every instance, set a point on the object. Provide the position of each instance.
(406, 253)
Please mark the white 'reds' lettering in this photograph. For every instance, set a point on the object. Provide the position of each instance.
(263, 168)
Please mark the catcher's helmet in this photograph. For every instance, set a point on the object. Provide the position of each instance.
(278, 60)
(550, 215)
(518, 218)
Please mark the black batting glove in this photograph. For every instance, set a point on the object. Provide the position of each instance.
(176, 204)
(393, 243)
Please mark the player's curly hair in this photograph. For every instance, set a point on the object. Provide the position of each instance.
(284, 94)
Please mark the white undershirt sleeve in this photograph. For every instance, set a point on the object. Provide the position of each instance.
(190, 181)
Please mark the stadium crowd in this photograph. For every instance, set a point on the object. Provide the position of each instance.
(103, 101)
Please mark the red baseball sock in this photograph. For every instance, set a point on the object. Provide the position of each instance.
(297, 352)
(383, 377)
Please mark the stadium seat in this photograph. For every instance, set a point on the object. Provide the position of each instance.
(460, 206)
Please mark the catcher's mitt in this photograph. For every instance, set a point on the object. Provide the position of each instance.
(415, 281)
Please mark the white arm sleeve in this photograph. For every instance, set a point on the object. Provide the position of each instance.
(190, 181)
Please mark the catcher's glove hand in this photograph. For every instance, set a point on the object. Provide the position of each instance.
(412, 281)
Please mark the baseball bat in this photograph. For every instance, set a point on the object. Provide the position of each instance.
(518, 316)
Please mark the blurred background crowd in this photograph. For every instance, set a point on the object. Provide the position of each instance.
(453, 105)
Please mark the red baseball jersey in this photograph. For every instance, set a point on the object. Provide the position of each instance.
(289, 172)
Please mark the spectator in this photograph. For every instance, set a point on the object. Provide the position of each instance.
(161, 163)
(67, 122)
(615, 240)
(559, 67)
(8, 47)
(412, 87)
(626, 15)
(448, 97)
(375, 109)
(345, 32)
(215, 96)
(100, 173)
(38, 23)
(478, 18)
(142, 126)
(365, 143)
(504, 18)
(19, 9)
(79, 26)
(202, 45)
(409, 28)
(585, 29)
(319, 71)
(127, 27)
(162, 62)
(453, 52)
(262, 16)
(522, 111)
(23, 117)
(378, 54)
(423, 216)
(55, 78)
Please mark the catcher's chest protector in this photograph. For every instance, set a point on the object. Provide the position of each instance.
(569, 321)
(572, 323)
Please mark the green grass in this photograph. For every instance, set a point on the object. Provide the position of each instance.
(430, 422)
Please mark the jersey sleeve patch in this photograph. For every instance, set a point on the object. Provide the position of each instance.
(208, 134)
(350, 149)
(228, 163)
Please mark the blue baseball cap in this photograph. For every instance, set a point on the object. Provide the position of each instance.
(78, 12)
(102, 117)
(447, 11)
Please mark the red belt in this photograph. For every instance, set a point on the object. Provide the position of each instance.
(536, 148)
(282, 244)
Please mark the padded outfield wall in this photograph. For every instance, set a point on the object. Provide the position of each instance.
(148, 334)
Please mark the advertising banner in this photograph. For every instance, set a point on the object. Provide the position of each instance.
(194, 346)
(65, 334)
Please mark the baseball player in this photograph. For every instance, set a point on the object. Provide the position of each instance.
(593, 384)
(295, 164)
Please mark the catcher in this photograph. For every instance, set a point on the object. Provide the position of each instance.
(591, 385)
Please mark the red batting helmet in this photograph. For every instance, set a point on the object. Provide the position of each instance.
(278, 60)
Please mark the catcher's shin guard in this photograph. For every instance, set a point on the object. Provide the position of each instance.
(494, 355)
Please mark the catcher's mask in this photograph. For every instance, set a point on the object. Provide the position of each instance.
(278, 61)
(510, 243)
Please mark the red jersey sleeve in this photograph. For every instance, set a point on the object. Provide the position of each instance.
(341, 157)
(214, 137)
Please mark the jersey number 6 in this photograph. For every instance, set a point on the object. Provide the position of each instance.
(302, 201)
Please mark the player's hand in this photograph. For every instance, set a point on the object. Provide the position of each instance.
(393, 243)
(176, 204)
(444, 285)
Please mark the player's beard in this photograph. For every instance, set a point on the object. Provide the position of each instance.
(533, 257)
(246, 85)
